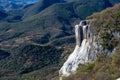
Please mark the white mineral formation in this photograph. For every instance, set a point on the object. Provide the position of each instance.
(118, 79)
(84, 51)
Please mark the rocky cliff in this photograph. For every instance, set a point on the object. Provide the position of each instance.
(87, 48)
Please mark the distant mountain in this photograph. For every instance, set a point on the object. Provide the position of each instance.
(58, 19)
(38, 7)
(27, 1)
(80, 7)
(8, 5)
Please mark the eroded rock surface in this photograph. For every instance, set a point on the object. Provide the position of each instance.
(85, 50)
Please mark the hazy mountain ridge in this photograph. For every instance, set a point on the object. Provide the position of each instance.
(8, 5)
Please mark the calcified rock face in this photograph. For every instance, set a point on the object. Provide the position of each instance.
(85, 50)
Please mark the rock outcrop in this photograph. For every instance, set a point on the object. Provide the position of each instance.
(85, 50)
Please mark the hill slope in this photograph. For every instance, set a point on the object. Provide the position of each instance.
(57, 20)
(39, 6)
(106, 67)
(80, 6)
(45, 31)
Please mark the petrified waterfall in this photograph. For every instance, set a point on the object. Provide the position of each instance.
(84, 51)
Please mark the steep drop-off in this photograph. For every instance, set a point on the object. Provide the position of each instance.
(85, 50)
(98, 36)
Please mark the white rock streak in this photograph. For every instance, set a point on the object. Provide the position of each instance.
(82, 52)
(118, 79)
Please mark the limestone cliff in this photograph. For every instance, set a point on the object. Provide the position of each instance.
(86, 50)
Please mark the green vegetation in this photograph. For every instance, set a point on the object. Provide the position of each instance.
(36, 40)
(105, 24)
(55, 18)
(105, 68)
(30, 58)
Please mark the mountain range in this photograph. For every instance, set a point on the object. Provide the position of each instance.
(8, 5)
(36, 39)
